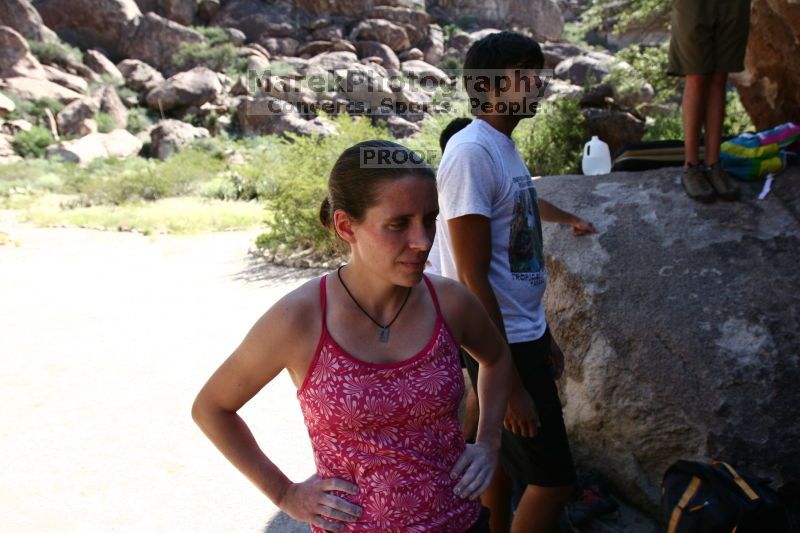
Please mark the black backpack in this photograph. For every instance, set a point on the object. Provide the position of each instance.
(715, 497)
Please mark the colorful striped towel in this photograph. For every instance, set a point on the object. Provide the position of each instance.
(751, 156)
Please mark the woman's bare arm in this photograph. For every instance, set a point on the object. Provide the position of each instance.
(253, 364)
(276, 341)
(476, 332)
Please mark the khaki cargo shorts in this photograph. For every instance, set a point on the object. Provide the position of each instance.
(708, 36)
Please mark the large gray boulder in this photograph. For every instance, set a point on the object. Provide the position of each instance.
(170, 136)
(679, 324)
(268, 116)
(376, 49)
(155, 40)
(288, 90)
(111, 105)
(615, 127)
(139, 76)
(585, 69)
(7, 105)
(383, 31)
(21, 15)
(77, 118)
(70, 81)
(7, 153)
(180, 11)
(253, 17)
(36, 89)
(433, 45)
(16, 58)
(428, 75)
(555, 53)
(330, 61)
(90, 23)
(117, 143)
(280, 46)
(191, 88)
(353, 8)
(542, 17)
(103, 66)
(415, 22)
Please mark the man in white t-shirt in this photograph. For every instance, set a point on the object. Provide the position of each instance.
(489, 237)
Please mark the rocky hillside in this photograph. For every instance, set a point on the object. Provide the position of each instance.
(182, 65)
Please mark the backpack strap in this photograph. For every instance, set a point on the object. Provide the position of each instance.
(746, 488)
(688, 494)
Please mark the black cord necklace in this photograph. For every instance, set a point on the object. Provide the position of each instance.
(384, 334)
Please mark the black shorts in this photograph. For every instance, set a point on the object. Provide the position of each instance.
(544, 460)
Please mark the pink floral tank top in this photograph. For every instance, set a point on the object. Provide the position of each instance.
(393, 430)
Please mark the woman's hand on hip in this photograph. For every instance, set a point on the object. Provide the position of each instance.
(476, 467)
(310, 501)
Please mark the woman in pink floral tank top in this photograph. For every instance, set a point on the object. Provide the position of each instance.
(373, 349)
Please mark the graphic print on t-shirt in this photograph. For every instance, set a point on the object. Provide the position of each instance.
(525, 255)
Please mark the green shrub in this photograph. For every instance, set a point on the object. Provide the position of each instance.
(616, 17)
(139, 119)
(666, 126)
(32, 143)
(737, 121)
(220, 188)
(426, 142)
(125, 92)
(649, 66)
(282, 68)
(54, 53)
(220, 58)
(31, 176)
(449, 31)
(33, 110)
(213, 34)
(552, 142)
(298, 171)
(119, 181)
(105, 122)
(452, 65)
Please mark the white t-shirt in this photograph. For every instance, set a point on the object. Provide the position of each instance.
(482, 173)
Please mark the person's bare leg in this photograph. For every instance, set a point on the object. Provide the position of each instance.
(497, 499)
(714, 115)
(539, 508)
(694, 95)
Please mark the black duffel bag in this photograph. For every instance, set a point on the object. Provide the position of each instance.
(715, 497)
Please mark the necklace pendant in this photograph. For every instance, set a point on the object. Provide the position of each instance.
(384, 336)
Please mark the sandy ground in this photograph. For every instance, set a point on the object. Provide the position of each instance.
(105, 338)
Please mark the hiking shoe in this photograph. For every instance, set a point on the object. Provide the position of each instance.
(696, 184)
(721, 182)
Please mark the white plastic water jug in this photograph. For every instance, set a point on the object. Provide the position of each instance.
(596, 158)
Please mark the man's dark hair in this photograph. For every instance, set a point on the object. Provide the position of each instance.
(499, 51)
(503, 50)
(455, 125)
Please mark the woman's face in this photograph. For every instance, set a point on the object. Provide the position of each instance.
(396, 234)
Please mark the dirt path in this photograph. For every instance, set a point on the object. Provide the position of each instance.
(105, 338)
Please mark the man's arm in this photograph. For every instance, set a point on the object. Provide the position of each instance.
(471, 240)
(550, 213)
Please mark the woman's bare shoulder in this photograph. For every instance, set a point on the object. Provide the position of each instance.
(454, 299)
(447, 288)
(293, 311)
